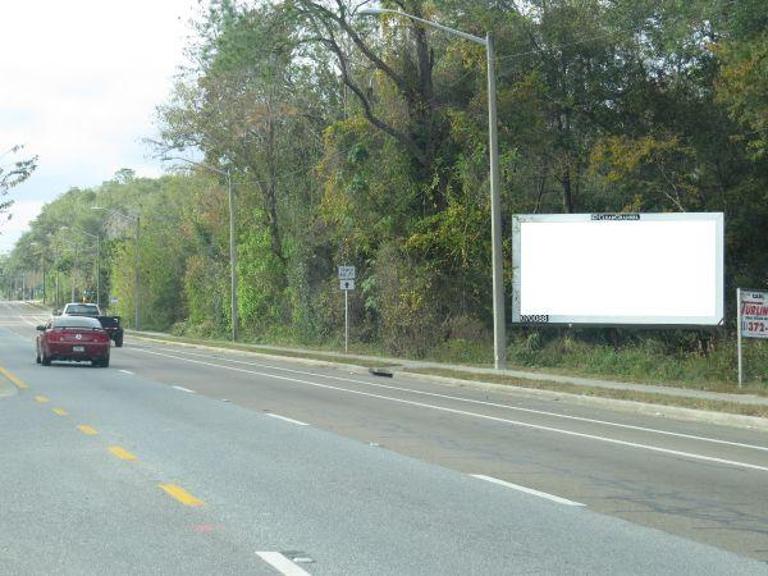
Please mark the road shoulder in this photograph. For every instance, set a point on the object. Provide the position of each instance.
(631, 406)
(583, 394)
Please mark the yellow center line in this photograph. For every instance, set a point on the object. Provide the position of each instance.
(42, 399)
(121, 453)
(14, 379)
(181, 495)
(85, 429)
(60, 411)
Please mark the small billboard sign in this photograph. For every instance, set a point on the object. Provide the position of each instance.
(754, 314)
(751, 320)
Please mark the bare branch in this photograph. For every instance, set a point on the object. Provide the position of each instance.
(343, 23)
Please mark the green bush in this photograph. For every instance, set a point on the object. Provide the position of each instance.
(665, 358)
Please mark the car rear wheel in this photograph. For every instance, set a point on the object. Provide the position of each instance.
(37, 356)
(119, 342)
(44, 360)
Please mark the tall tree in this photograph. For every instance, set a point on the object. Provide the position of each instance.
(12, 174)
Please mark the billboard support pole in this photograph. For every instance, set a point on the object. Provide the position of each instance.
(738, 334)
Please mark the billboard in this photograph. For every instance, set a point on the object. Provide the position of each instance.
(618, 269)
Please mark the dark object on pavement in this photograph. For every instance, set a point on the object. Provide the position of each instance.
(381, 371)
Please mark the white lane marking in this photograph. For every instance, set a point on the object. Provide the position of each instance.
(487, 403)
(615, 441)
(286, 419)
(282, 564)
(127, 372)
(531, 491)
(187, 390)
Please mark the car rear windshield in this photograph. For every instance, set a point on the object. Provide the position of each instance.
(75, 322)
(82, 309)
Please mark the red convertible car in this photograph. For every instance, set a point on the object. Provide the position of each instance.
(77, 338)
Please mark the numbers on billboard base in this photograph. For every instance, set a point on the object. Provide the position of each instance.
(534, 318)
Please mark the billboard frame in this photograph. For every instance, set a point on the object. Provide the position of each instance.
(651, 322)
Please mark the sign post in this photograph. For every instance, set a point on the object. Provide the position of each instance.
(346, 321)
(738, 332)
(751, 320)
(346, 283)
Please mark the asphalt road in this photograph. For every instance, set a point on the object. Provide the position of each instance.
(181, 460)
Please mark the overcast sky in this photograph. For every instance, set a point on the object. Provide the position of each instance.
(79, 83)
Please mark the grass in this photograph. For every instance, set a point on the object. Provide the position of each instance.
(646, 361)
(631, 395)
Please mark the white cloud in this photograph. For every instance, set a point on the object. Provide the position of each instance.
(80, 83)
(22, 213)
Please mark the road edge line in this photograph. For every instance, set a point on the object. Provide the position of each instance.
(279, 562)
(286, 419)
(530, 491)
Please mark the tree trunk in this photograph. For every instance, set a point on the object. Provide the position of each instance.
(567, 192)
(270, 196)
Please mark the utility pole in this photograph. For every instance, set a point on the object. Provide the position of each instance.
(232, 257)
(499, 322)
(72, 276)
(232, 237)
(137, 284)
(137, 281)
(98, 271)
(45, 290)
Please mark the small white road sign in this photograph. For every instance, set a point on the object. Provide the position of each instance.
(347, 284)
(346, 273)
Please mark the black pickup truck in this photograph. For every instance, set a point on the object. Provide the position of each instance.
(110, 323)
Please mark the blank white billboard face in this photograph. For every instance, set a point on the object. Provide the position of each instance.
(655, 269)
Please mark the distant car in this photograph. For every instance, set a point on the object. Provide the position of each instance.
(81, 309)
(110, 323)
(77, 338)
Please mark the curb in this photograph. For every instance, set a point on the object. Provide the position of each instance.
(633, 406)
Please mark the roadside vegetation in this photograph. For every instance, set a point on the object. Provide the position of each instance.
(363, 141)
(699, 361)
